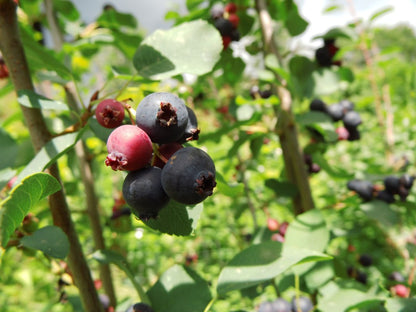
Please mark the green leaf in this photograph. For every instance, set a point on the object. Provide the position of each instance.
(31, 99)
(282, 188)
(115, 19)
(67, 9)
(228, 189)
(381, 13)
(295, 24)
(332, 8)
(338, 32)
(51, 240)
(21, 199)
(400, 304)
(110, 256)
(167, 53)
(49, 154)
(176, 219)
(9, 149)
(180, 289)
(260, 263)
(381, 212)
(41, 58)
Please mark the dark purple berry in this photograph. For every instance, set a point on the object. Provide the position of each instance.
(163, 116)
(191, 131)
(335, 111)
(407, 181)
(396, 277)
(347, 105)
(365, 260)
(140, 307)
(385, 196)
(143, 192)
(189, 176)
(302, 304)
(281, 305)
(317, 105)
(323, 57)
(129, 148)
(351, 119)
(224, 26)
(363, 188)
(353, 133)
(110, 113)
(235, 35)
(361, 277)
(392, 184)
(266, 306)
(265, 94)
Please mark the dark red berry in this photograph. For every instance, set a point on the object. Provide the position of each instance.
(230, 7)
(110, 113)
(401, 290)
(129, 148)
(234, 19)
(226, 40)
(165, 152)
(143, 192)
(189, 176)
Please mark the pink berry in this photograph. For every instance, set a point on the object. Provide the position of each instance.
(283, 228)
(129, 148)
(401, 290)
(343, 133)
(277, 237)
(272, 224)
(110, 113)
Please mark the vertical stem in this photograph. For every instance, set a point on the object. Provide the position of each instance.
(286, 126)
(389, 125)
(14, 56)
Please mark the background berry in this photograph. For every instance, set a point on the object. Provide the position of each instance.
(110, 113)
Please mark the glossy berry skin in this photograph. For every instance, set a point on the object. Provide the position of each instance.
(110, 113)
(163, 116)
(191, 131)
(140, 307)
(189, 176)
(129, 148)
(303, 304)
(363, 188)
(281, 305)
(143, 192)
(266, 306)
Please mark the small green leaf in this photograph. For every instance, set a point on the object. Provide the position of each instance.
(400, 304)
(21, 199)
(228, 189)
(49, 154)
(282, 188)
(381, 212)
(9, 149)
(260, 263)
(177, 219)
(381, 13)
(31, 99)
(51, 240)
(295, 24)
(180, 289)
(179, 50)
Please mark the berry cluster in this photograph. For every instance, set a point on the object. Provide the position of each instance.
(343, 110)
(325, 55)
(226, 21)
(392, 186)
(303, 304)
(279, 229)
(160, 168)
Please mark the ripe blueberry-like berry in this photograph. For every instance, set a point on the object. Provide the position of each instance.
(351, 119)
(110, 113)
(335, 111)
(281, 305)
(224, 26)
(191, 131)
(363, 188)
(385, 196)
(392, 184)
(396, 277)
(365, 260)
(317, 105)
(189, 176)
(163, 116)
(129, 148)
(323, 57)
(143, 192)
(266, 306)
(347, 105)
(140, 307)
(303, 304)
(217, 10)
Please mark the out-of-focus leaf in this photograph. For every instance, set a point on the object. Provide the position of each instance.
(31, 99)
(380, 13)
(8, 151)
(282, 188)
(51, 240)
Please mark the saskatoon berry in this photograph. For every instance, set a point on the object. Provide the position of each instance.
(143, 192)
(317, 105)
(234, 19)
(363, 188)
(365, 260)
(189, 176)
(4, 71)
(351, 119)
(235, 35)
(281, 305)
(343, 133)
(266, 306)
(323, 57)
(191, 131)
(140, 307)
(392, 184)
(303, 304)
(129, 148)
(217, 11)
(230, 8)
(407, 181)
(335, 111)
(166, 151)
(401, 290)
(265, 94)
(224, 26)
(396, 277)
(110, 113)
(353, 133)
(361, 277)
(347, 105)
(385, 196)
(163, 116)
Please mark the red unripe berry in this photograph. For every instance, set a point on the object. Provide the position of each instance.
(4, 71)
(226, 40)
(272, 224)
(165, 150)
(234, 19)
(129, 148)
(401, 290)
(110, 113)
(277, 237)
(343, 133)
(283, 228)
(230, 7)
